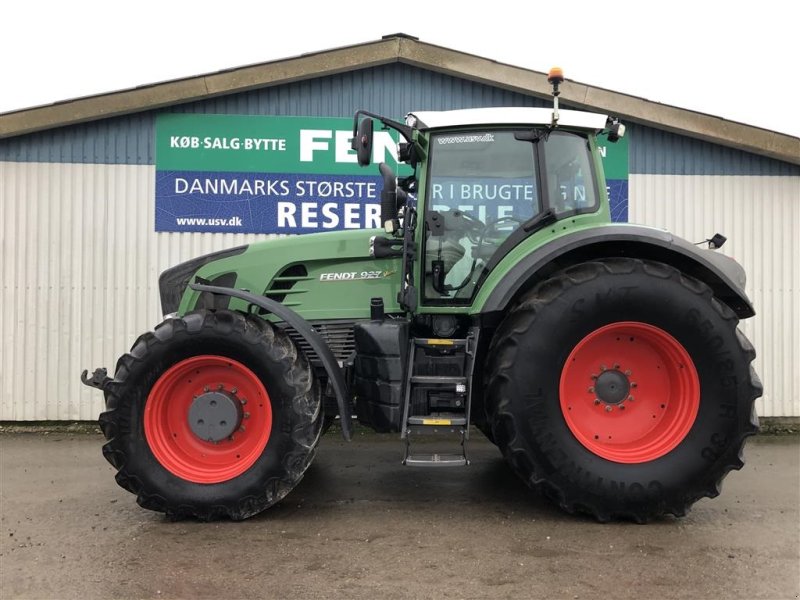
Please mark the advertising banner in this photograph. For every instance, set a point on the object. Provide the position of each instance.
(615, 166)
(264, 174)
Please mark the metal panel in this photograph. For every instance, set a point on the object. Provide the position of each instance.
(761, 217)
(80, 264)
(663, 153)
(121, 140)
(392, 90)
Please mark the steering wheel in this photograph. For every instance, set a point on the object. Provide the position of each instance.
(459, 223)
(462, 223)
(494, 225)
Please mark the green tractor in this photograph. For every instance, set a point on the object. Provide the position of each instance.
(602, 359)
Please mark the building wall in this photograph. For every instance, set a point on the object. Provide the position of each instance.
(80, 257)
(695, 189)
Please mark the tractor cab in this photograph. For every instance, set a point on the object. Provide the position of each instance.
(484, 180)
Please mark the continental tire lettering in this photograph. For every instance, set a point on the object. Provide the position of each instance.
(727, 411)
(577, 308)
(718, 443)
(613, 296)
(637, 490)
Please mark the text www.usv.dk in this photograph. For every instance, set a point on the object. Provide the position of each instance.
(232, 222)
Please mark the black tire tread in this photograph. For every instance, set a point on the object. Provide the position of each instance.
(519, 322)
(295, 370)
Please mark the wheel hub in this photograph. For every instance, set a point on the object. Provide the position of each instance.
(604, 418)
(214, 416)
(612, 387)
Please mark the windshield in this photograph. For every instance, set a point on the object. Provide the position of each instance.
(482, 186)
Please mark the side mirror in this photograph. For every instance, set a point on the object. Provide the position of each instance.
(616, 131)
(716, 241)
(362, 142)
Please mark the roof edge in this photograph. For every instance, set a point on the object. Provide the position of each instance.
(409, 50)
(773, 144)
(199, 87)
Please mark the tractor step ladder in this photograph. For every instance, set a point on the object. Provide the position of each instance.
(453, 421)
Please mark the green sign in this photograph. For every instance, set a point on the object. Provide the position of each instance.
(615, 157)
(259, 144)
(615, 166)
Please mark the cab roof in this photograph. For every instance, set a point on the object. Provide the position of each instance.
(507, 116)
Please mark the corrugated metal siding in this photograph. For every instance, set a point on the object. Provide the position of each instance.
(660, 152)
(80, 264)
(121, 140)
(761, 218)
(390, 90)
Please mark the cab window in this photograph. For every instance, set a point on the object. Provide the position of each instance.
(482, 185)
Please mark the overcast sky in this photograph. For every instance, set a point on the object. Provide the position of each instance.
(735, 59)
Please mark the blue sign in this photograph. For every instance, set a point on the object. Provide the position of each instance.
(222, 202)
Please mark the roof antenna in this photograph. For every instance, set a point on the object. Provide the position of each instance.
(555, 77)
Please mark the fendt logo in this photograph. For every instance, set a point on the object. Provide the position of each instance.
(354, 275)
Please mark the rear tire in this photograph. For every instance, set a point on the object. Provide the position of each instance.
(226, 358)
(622, 388)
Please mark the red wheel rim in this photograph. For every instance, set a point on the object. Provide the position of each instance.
(655, 377)
(171, 438)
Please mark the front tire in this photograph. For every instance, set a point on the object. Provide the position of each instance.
(213, 415)
(622, 388)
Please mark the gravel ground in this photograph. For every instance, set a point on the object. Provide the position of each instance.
(362, 526)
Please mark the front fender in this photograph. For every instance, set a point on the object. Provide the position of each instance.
(724, 275)
(309, 334)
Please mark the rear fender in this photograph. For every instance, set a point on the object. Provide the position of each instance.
(724, 275)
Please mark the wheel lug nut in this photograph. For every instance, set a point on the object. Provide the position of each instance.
(597, 400)
(634, 384)
(616, 365)
(591, 389)
(246, 415)
(628, 372)
(234, 390)
(243, 401)
(206, 389)
(622, 407)
(241, 428)
(220, 387)
(630, 398)
(608, 408)
(603, 368)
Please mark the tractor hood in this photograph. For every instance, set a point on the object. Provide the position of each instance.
(320, 276)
